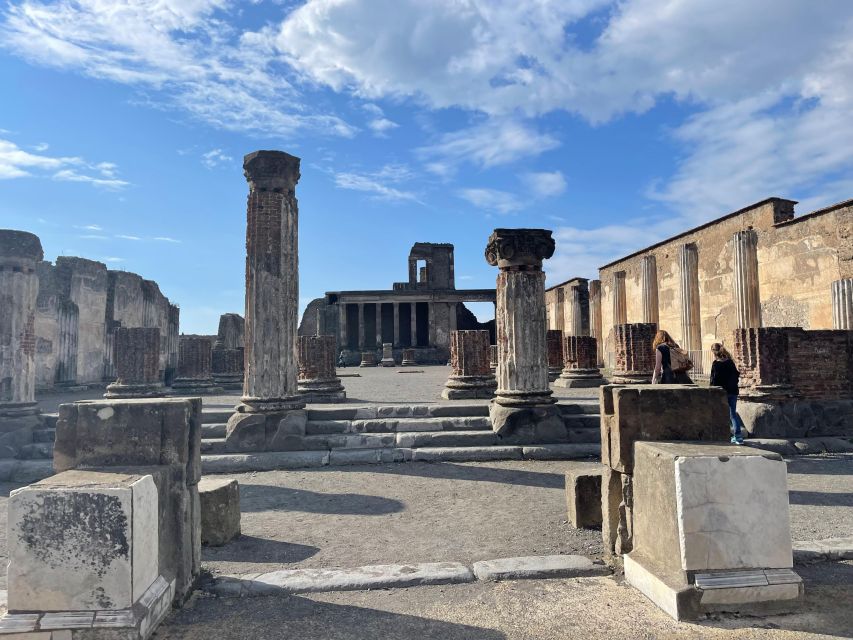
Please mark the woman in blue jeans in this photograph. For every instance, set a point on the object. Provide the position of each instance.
(724, 374)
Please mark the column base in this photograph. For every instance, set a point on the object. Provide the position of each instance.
(631, 377)
(321, 391)
(282, 430)
(387, 362)
(580, 379)
(536, 417)
(469, 388)
(368, 359)
(195, 386)
(229, 381)
(249, 404)
(117, 390)
(554, 373)
(18, 409)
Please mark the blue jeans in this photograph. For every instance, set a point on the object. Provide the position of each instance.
(737, 423)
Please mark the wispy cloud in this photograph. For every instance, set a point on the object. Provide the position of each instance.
(166, 239)
(214, 158)
(93, 236)
(383, 184)
(492, 200)
(17, 163)
(122, 236)
(545, 184)
(112, 259)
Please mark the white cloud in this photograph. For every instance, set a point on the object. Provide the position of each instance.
(111, 259)
(166, 239)
(491, 199)
(492, 143)
(17, 163)
(380, 126)
(545, 184)
(41, 147)
(379, 182)
(183, 53)
(92, 227)
(93, 236)
(122, 236)
(215, 157)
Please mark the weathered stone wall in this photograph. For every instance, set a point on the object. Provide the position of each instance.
(798, 258)
(812, 365)
(567, 310)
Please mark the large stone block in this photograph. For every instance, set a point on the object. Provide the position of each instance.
(583, 498)
(220, 510)
(711, 528)
(657, 413)
(82, 540)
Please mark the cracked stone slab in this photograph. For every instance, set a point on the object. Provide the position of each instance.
(526, 567)
(357, 579)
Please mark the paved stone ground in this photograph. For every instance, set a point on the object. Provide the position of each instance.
(594, 608)
(398, 385)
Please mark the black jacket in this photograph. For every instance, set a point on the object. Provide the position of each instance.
(724, 374)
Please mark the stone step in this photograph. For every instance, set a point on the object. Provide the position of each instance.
(215, 415)
(36, 451)
(579, 406)
(348, 441)
(582, 421)
(585, 435)
(390, 425)
(212, 445)
(419, 439)
(44, 435)
(50, 420)
(214, 430)
(415, 411)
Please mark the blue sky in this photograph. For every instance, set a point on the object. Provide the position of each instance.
(123, 126)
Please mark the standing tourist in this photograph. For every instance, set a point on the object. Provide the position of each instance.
(724, 374)
(671, 362)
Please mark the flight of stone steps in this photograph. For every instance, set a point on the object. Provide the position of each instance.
(397, 433)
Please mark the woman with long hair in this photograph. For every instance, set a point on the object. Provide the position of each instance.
(665, 373)
(724, 374)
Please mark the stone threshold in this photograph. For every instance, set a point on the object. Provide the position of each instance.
(395, 576)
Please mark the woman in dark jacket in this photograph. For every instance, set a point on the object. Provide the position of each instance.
(724, 374)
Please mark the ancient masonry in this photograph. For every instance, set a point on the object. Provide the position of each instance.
(471, 376)
(194, 372)
(523, 396)
(228, 352)
(554, 343)
(635, 357)
(318, 381)
(418, 314)
(271, 407)
(387, 355)
(580, 354)
(137, 359)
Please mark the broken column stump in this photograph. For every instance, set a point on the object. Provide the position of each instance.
(408, 358)
(368, 359)
(583, 498)
(471, 376)
(220, 510)
(195, 376)
(137, 364)
(554, 344)
(318, 380)
(635, 357)
(387, 355)
(580, 370)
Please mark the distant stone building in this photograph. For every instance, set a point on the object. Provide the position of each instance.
(567, 307)
(419, 313)
(757, 267)
(80, 305)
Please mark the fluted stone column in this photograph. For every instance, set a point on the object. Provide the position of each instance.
(270, 416)
(195, 375)
(362, 327)
(580, 355)
(595, 322)
(397, 324)
(578, 328)
(413, 323)
(471, 376)
(342, 325)
(747, 299)
(20, 254)
(408, 358)
(649, 289)
(493, 357)
(388, 355)
(137, 364)
(620, 304)
(691, 333)
(554, 346)
(842, 304)
(523, 398)
(318, 380)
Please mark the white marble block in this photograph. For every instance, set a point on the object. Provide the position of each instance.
(82, 541)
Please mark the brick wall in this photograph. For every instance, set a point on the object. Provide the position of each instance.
(580, 352)
(469, 353)
(633, 347)
(816, 365)
(554, 342)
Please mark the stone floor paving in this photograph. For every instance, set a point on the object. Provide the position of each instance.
(590, 608)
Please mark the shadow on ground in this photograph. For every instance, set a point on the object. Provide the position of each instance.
(262, 497)
(452, 471)
(820, 498)
(254, 549)
(824, 465)
(306, 619)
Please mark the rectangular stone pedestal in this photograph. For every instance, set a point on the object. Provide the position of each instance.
(583, 498)
(220, 510)
(711, 529)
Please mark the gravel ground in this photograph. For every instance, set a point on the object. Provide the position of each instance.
(593, 608)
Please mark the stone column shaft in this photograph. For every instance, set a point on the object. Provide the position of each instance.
(342, 325)
(620, 308)
(554, 345)
(137, 364)
(362, 327)
(522, 373)
(747, 300)
(396, 324)
(378, 324)
(595, 322)
(577, 312)
(635, 358)
(318, 380)
(580, 370)
(414, 324)
(195, 374)
(471, 376)
(272, 283)
(20, 253)
(691, 334)
(649, 289)
(842, 304)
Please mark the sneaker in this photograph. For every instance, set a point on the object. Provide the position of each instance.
(736, 440)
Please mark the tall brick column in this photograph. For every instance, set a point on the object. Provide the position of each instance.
(523, 397)
(471, 376)
(270, 390)
(635, 358)
(137, 363)
(318, 380)
(580, 354)
(554, 344)
(20, 253)
(194, 370)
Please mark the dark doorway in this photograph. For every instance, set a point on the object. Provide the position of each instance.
(388, 322)
(370, 326)
(406, 324)
(352, 326)
(423, 319)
